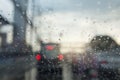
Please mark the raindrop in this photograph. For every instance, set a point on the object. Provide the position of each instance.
(29, 22)
(109, 6)
(98, 2)
(108, 38)
(74, 19)
(99, 39)
(17, 5)
(23, 13)
(94, 22)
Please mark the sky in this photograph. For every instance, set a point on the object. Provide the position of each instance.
(79, 20)
(6, 9)
(73, 21)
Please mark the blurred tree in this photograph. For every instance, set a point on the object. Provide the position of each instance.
(103, 42)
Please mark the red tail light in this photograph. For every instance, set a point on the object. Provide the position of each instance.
(38, 57)
(60, 57)
(103, 62)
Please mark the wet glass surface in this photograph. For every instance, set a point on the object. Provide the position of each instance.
(59, 40)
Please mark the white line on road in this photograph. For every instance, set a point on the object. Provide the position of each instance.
(67, 72)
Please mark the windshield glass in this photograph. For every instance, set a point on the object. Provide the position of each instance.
(80, 40)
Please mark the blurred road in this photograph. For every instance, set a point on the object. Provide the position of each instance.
(30, 75)
(67, 74)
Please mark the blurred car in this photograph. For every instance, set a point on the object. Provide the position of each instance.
(49, 60)
(106, 51)
(109, 63)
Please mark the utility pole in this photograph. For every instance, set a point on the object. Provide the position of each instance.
(20, 19)
(20, 22)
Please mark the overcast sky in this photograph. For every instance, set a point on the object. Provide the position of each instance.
(75, 20)
(6, 9)
(80, 20)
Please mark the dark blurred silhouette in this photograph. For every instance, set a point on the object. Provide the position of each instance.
(3, 36)
(103, 42)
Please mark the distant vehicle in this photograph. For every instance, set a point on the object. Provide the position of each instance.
(107, 53)
(109, 63)
(50, 59)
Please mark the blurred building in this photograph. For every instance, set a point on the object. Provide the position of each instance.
(3, 36)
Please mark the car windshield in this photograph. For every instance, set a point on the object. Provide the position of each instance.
(59, 40)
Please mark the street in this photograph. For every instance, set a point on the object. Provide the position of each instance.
(67, 74)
